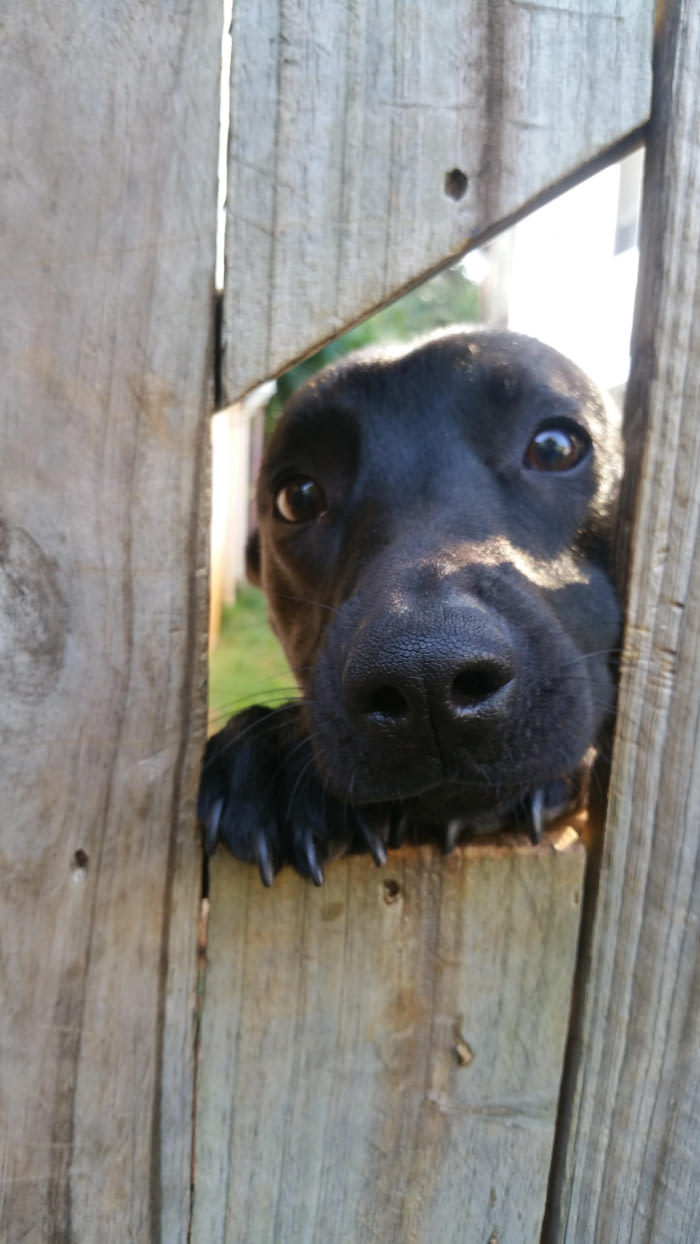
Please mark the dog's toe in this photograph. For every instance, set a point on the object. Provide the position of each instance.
(237, 802)
(307, 830)
(250, 830)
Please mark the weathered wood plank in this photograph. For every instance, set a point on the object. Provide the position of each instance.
(333, 1099)
(108, 217)
(347, 118)
(632, 1166)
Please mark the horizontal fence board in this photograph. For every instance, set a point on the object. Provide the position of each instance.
(346, 119)
(380, 1058)
(107, 255)
(632, 1168)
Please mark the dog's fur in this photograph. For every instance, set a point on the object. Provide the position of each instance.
(444, 602)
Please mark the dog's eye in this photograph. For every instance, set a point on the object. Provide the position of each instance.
(556, 448)
(300, 500)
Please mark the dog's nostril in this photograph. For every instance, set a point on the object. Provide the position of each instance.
(387, 702)
(378, 696)
(479, 682)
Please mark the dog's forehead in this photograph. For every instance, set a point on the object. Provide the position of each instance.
(472, 376)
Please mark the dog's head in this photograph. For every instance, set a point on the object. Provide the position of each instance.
(434, 528)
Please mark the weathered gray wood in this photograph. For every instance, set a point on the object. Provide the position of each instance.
(380, 1059)
(632, 1169)
(107, 239)
(346, 119)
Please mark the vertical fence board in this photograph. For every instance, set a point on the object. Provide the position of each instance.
(346, 119)
(632, 1164)
(336, 1099)
(107, 239)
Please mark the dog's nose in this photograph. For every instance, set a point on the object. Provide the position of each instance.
(416, 685)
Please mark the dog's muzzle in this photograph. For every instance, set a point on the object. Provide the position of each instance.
(407, 679)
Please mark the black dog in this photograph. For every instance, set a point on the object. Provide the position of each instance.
(434, 529)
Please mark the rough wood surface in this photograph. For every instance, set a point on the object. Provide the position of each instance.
(346, 120)
(107, 254)
(632, 1169)
(380, 1059)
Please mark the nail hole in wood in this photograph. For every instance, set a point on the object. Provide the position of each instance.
(464, 1052)
(456, 183)
(392, 890)
(79, 866)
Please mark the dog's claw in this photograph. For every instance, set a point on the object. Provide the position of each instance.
(311, 857)
(534, 811)
(261, 851)
(452, 831)
(211, 827)
(398, 828)
(374, 840)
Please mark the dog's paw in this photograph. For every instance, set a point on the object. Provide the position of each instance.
(261, 796)
(237, 801)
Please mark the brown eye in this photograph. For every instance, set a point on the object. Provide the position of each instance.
(557, 448)
(300, 500)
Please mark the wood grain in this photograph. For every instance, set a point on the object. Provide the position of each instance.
(346, 120)
(380, 1058)
(632, 1164)
(108, 218)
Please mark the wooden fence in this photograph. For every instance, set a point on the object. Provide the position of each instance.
(385, 1059)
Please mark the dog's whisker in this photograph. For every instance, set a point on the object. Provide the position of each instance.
(225, 711)
(266, 686)
(263, 725)
(303, 772)
(240, 626)
(595, 778)
(306, 741)
(302, 600)
(609, 653)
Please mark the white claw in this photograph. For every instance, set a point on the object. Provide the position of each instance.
(262, 856)
(536, 816)
(312, 859)
(453, 830)
(211, 835)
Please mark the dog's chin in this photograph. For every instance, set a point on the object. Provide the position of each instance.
(481, 806)
(453, 802)
(437, 801)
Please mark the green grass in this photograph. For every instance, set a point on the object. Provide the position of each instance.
(248, 665)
